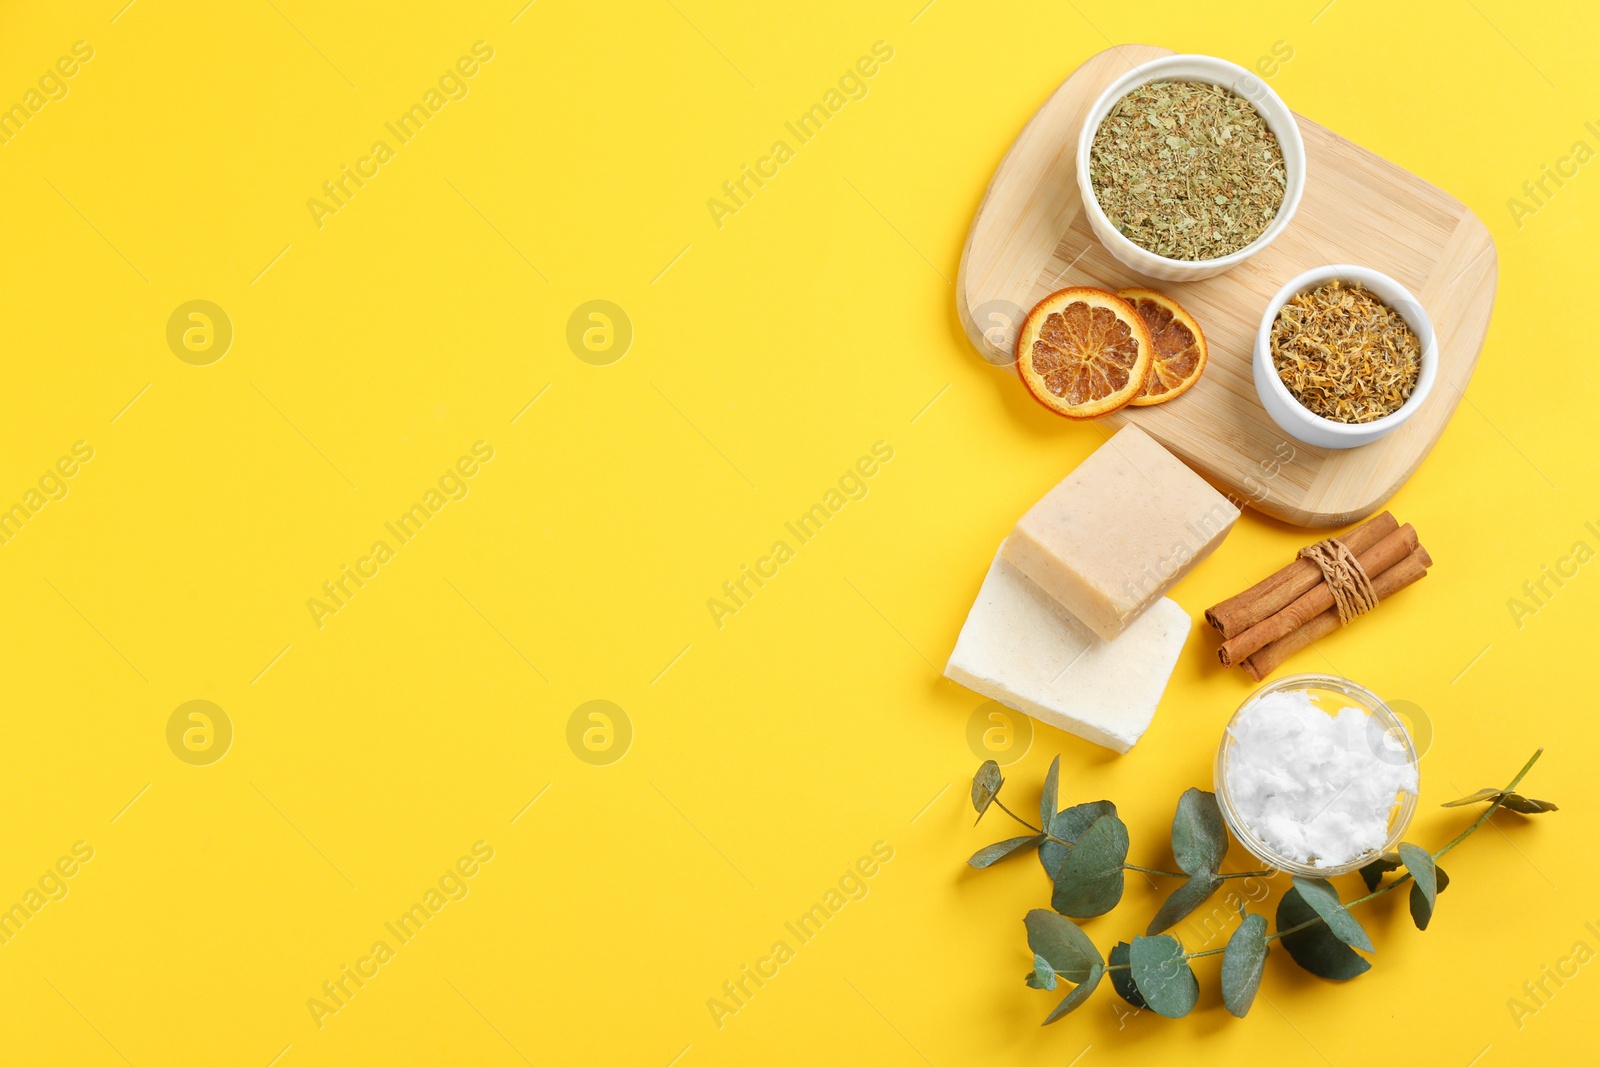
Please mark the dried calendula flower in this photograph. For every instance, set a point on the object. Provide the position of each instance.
(1187, 170)
(1344, 354)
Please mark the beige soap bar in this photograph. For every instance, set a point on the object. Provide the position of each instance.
(1119, 531)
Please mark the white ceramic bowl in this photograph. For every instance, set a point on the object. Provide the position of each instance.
(1280, 120)
(1286, 411)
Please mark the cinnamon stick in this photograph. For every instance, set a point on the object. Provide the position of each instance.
(1277, 591)
(1374, 561)
(1411, 569)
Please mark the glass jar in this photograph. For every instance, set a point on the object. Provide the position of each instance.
(1386, 734)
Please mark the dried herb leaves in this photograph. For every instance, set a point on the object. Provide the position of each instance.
(1187, 170)
(1344, 354)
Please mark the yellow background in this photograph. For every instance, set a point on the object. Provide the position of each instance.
(768, 355)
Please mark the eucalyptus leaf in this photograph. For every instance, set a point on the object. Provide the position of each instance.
(1242, 963)
(1122, 979)
(1527, 805)
(989, 855)
(1421, 905)
(1373, 872)
(1476, 798)
(1090, 880)
(1079, 994)
(1066, 948)
(1424, 885)
(1315, 948)
(1163, 976)
(1047, 799)
(1069, 825)
(1051, 855)
(1199, 841)
(1043, 976)
(1443, 879)
(1514, 801)
(1324, 900)
(1194, 892)
(985, 784)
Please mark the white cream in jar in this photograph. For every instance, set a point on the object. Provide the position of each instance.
(1316, 788)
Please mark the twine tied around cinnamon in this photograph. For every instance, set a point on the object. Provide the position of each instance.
(1352, 590)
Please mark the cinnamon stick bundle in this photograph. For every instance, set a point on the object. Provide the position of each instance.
(1282, 614)
(1277, 591)
(1411, 569)
(1374, 561)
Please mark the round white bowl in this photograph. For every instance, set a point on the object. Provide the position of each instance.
(1287, 412)
(1279, 119)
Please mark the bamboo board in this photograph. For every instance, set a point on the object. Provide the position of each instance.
(1030, 238)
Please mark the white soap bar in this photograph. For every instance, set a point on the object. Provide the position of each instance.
(1119, 531)
(1023, 649)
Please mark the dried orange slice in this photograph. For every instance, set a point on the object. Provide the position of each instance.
(1083, 352)
(1180, 346)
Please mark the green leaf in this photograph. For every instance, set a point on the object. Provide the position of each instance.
(1514, 801)
(1324, 900)
(1443, 879)
(1315, 948)
(1047, 799)
(1079, 994)
(1199, 841)
(1476, 798)
(1242, 963)
(1043, 976)
(1194, 892)
(1069, 825)
(985, 784)
(1424, 885)
(1163, 976)
(1373, 872)
(1527, 805)
(989, 855)
(1090, 880)
(1122, 979)
(1066, 948)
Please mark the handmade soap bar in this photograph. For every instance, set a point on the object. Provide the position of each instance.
(1021, 648)
(1119, 531)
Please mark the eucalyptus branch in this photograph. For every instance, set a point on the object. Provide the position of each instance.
(1020, 819)
(1084, 850)
(1499, 802)
(1408, 876)
(1152, 870)
(1180, 874)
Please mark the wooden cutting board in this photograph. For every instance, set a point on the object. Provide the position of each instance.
(1030, 238)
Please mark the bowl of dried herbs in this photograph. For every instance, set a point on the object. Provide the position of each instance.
(1343, 356)
(1188, 166)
